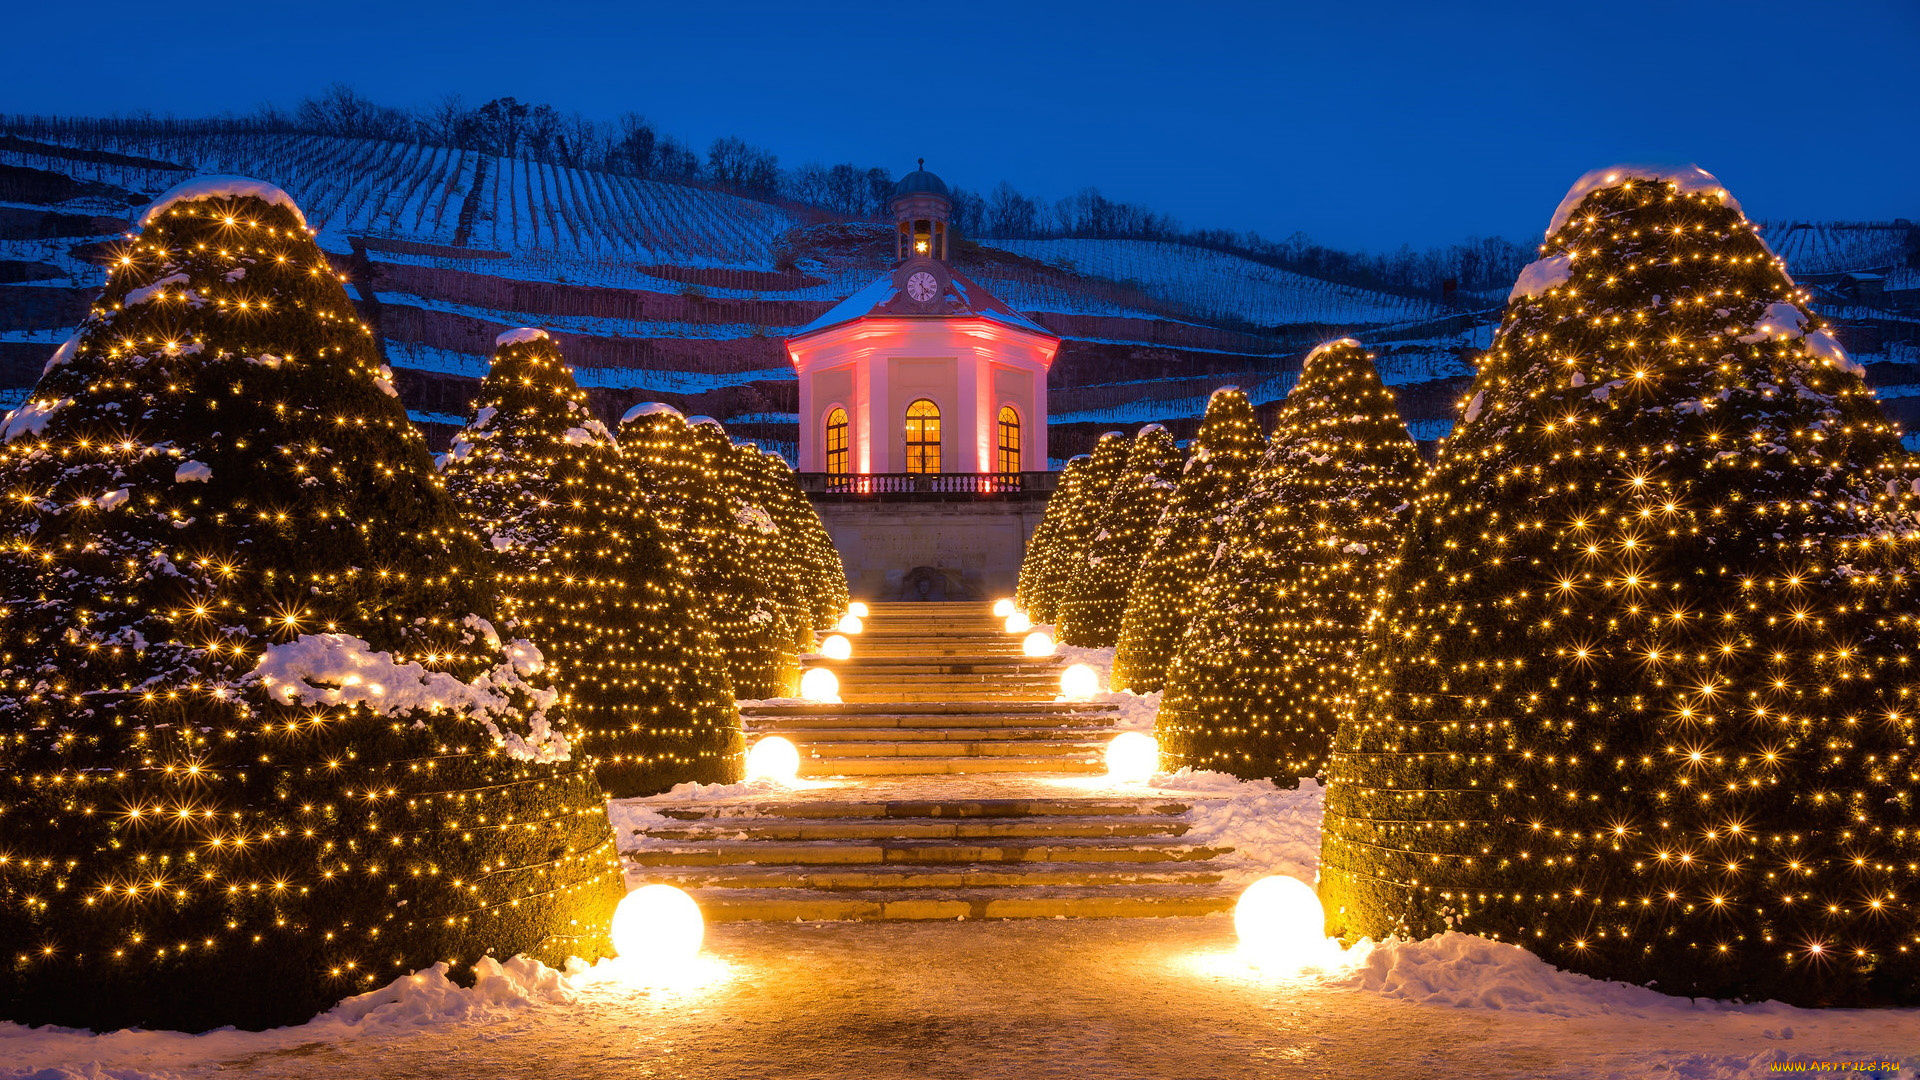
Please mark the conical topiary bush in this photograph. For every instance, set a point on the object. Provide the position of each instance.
(1165, 597)
(686, 471)
(1097, 597)
(591, 578)
(823, 576)
(266, 741)
(1642, 697)
(1267, 665)
(1066, 551)
(1041, 546)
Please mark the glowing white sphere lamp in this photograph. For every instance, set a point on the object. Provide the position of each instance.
(858, 610)
(850, 624)
(1038, 643)
(773, 758)
(820, 684)
(658, 925)
(1079, 681)
(1281, 923)
(1133, 756)
(1002, 608)
(836, 647)
(1018, 623)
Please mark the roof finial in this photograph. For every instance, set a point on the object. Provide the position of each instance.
(923, 164)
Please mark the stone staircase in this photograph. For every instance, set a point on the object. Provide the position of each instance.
(960, 789)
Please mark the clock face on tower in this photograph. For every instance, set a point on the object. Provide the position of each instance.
(922, 286)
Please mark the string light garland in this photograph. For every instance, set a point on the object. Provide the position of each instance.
(1096, 597)
(1045, 573)
(1641, 698)
(1266, 667)
(263, 740)
(808, 572)
(1165, 597)
(590, 576)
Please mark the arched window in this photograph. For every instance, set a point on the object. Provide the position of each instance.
(923, 437)
(1009, 460)
(837, 456)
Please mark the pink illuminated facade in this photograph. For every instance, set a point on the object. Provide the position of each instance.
(923, 371)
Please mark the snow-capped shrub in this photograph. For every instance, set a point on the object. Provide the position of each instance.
(1165, 596)
(590, 576)
(1096, 597)
(264, 736)
(821, 576)
(1266, 666)
(1642, 698)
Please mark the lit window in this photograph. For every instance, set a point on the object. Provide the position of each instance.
(923, 437)
(837, 457)
(1009, 440)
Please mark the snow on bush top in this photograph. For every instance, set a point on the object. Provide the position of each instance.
(519, 336)
(1540, 275)
(339, 669)
(696, 421)
(648, 408)
(62, 354)
(30, 418)
(1691, 179)
(1325, 345)
(215, 187)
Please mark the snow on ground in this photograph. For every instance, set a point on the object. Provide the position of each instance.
(1134, 998)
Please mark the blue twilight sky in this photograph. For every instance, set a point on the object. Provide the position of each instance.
(1362, 124)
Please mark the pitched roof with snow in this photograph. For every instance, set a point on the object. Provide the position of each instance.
(964, 298)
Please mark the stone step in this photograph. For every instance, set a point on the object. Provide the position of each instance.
(929, 708)
(931, 828)
(859, 697)
(916, 852)
(1075, 732)
(1026, 875)
(913, 810)
(902, 667)
(781, 725)
(951, 748)
(1094, 902)
(813, 767)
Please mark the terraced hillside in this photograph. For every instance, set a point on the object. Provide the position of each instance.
(674, 292)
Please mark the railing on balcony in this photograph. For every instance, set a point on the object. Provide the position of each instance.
(1017, 483)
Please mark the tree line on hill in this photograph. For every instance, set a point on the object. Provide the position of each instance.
(632, 145)
(1625, 677)
(288, 708)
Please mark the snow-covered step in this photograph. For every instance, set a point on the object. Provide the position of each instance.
(970, 734)
(812, 767)
(1038, 826)
(1096, 902)
(911, 726)
(921, 876)
(915, 810)
(927, 708)
(840, 853)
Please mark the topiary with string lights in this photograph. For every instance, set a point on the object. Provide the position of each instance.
(1643, 697)
(1266, 666)
(1164, 599)
(821, 575)
(1056, 565)
(1042, 545)
(591, 578)
(266, 740)
(1097, 596)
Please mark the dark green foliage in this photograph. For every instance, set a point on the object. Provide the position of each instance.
(1643, 693)
(231, 591)
(1266, 667)
(592, 579)
(1165, 597)
(1097, 596)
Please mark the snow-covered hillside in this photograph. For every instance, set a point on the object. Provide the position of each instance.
(1216, 283)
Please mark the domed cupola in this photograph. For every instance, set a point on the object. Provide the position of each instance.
(921, 210)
